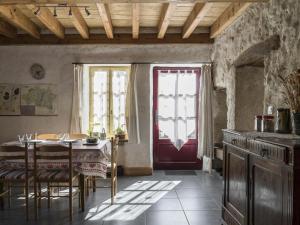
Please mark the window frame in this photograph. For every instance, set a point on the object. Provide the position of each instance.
(109, 69)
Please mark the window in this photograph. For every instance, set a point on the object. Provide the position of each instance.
(107, 93)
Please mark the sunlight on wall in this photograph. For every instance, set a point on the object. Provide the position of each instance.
(132, 202)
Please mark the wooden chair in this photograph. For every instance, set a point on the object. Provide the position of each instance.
(50, 137)
(112, 168)
(54, 153)
(9, 176)
(78, 136)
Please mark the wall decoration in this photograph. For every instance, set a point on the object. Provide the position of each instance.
(38, 99)
(10, 99)
(37, 71)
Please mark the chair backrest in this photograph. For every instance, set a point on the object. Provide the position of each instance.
(50, 137)
(14, 152)
(78, 136)
(53, 153)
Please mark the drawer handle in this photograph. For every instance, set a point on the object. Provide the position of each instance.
(264, 152)
(234, 141)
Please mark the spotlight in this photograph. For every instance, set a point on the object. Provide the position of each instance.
(54, 13)
(70, 11)
(37, 11)
(87, 11)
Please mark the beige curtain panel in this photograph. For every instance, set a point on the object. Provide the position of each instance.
(205, 134)
(131, 107)
(76, 126)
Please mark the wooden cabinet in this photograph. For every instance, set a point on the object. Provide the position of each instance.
(236, 176)
(261, 180)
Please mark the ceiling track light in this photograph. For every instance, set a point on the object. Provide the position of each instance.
(87, 11)
(70, 11)
(37, 11)
(54, 12)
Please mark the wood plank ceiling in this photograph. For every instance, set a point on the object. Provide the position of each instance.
(116, 21)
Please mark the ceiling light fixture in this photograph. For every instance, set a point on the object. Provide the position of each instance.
(37, 11)
(70, 11)
(87, 11)
(54, 13)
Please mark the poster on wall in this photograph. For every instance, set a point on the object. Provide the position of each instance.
(38, 100)
(10, 99)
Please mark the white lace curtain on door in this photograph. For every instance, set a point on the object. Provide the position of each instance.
(177, 106)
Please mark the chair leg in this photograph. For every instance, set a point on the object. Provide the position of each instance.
(94, 183)
(35, 200)
(48, 195)
(40, 196)
(9, 195)
(26, 200)
(70, 202)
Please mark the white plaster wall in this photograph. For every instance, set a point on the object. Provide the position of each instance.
(15, 62)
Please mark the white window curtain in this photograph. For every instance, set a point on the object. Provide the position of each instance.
(176, 106)
(205, 134)
(131, 107)
(77, 100)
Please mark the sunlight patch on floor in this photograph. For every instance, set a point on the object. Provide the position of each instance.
(132, 202)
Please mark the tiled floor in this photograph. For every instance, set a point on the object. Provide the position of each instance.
(149, 200)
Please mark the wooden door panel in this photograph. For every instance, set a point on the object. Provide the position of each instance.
(236, 177)
(165, 154)
(266, 192)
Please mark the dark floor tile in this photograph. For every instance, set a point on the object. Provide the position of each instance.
(166, 218)
(199, 204)
(203, 217)
(167, 204)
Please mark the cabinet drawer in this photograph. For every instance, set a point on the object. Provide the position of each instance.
(268, 151)
(235, 139)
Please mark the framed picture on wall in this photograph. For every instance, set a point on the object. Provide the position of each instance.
(10, 100)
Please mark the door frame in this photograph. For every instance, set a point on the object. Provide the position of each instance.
(197, 164)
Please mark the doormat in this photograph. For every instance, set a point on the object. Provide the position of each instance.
(180, 172)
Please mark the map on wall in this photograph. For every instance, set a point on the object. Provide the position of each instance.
(10, 99)
(38, 99)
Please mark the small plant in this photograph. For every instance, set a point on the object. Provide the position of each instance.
(119, 130)
(291, 92)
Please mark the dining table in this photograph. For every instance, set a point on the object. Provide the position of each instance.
(89, 159)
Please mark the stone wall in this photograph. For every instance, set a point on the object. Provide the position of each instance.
(260, 22)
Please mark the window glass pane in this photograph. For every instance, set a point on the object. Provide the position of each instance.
(166, 107)
(186, 106)
(100, 103)
(187, 83)
(166, 129)
(167, 83)
(119, 85)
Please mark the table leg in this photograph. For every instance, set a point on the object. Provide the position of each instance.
(1, 196)
(82, 191)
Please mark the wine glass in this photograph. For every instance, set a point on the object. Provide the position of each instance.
(28, 137)
(21, 138)
(61, 136)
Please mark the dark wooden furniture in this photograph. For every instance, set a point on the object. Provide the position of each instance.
(9, 177)
(261, 179)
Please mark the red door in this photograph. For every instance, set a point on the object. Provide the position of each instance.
(175, 120)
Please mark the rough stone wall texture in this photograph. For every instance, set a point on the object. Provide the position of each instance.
(219, 114)
(249, 96)
(258, 23)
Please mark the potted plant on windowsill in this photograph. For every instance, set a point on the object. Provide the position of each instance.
(291, 84)
(120, 133)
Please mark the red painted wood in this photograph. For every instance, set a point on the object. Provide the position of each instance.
(165, 154)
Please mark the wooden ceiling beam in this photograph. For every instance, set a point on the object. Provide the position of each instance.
(168, 9)
(14, 16)
(135, 20)
(79, 23)
(74, 39)
(106, 19)
(199, 11)
(9, 2)
(7, 30)
(47, 18)
(227, 18)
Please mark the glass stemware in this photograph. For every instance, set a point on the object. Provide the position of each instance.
(21, 138)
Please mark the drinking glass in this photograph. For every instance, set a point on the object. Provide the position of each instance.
(21, 138)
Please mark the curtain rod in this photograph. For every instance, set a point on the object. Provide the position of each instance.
(210, 63)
